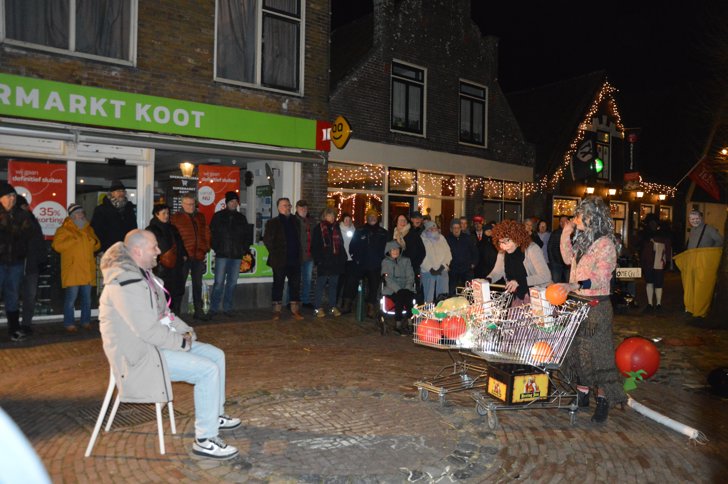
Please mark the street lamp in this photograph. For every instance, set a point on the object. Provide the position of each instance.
(640, 194)
(589, 190)
(662, 196)
(612, 192)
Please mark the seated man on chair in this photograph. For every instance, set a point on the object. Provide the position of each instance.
(149, 347)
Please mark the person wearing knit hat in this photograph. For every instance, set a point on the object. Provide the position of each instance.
(114, 217)
(77, 243)
(15, 233)
(230, 238)
(34, 263)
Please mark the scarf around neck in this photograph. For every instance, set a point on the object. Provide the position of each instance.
(329, 235)
(400, 234)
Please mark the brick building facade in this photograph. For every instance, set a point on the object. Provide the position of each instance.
(437, 48)
(259, 121)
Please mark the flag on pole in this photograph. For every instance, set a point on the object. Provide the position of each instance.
(703, 176)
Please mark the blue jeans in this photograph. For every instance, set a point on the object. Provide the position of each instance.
(321, 282)
(226, 279)
(306, 274)
(204, 367)
(433, 286)
(69, 304)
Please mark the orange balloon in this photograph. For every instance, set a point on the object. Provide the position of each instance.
(542, 352)
(556, 294)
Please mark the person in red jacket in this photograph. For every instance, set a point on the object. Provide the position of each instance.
(195, 234)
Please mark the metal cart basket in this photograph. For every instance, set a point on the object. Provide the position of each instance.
(455, 331)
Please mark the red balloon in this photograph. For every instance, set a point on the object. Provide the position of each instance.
(453, 327)
(635, 354)
(429, 331)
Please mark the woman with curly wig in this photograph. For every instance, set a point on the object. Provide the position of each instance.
(519, 259)
(593, 257)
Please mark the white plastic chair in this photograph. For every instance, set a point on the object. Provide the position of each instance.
(105, 406)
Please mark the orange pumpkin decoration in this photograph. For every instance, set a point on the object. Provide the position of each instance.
(542, 352)
(556, 294)
(453, 327)
(429, 331)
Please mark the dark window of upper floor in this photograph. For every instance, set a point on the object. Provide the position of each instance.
(473, 110)
(96, 29)
(408, 98)
(258, 43)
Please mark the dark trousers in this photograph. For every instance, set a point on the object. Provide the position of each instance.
(28, 293)
(373, 279)
(197, 268)
(458, 279)
(559, 272)
(293, 273)
(402, 300)
(348, 281)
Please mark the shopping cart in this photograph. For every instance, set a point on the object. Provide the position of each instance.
(524, 351)
(454, 331)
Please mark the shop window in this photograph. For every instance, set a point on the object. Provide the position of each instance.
(472, 113)
(258, 43)
(88, 28)
(441, 197)
(402, 181)
(562, 207)
(501, 199)
(356, 177)
(355, 204)
(512, 191)
(408, 98)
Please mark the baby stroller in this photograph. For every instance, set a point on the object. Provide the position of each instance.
(387, 316)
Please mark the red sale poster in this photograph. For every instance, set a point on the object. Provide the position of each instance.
(44, 186)
(213, 182)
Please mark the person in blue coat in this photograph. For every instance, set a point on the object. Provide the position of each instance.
(367, 250)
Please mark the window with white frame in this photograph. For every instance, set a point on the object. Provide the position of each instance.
(473, 107)
(258, 43)
(97, 29)
(408, 98)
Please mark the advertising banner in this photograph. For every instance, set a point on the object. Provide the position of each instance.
(44, 186)
(213, 181)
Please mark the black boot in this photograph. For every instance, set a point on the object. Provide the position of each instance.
(582, 398)
(14, 326)
(602, 411)
(346, 306)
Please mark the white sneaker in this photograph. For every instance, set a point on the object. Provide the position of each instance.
(215, 448)
(226, 422)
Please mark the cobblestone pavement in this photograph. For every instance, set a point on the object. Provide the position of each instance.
(332, 401)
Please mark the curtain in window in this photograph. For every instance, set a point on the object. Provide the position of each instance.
(280, 53)
(399, 105)
(103, 27)
(43, 22)
(414, 110)
(236, 35)
(465, 128)
(288, 6)
(478, 123)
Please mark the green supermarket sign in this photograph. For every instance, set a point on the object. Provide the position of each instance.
(26, 97)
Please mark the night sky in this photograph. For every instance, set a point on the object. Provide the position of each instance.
(668, 60)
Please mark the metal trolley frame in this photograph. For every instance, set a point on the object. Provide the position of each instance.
(538, 339)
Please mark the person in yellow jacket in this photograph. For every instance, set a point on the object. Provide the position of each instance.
(77, 242)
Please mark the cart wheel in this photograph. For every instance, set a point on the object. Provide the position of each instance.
(492, 419)
(424, 394)
(481, 409)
